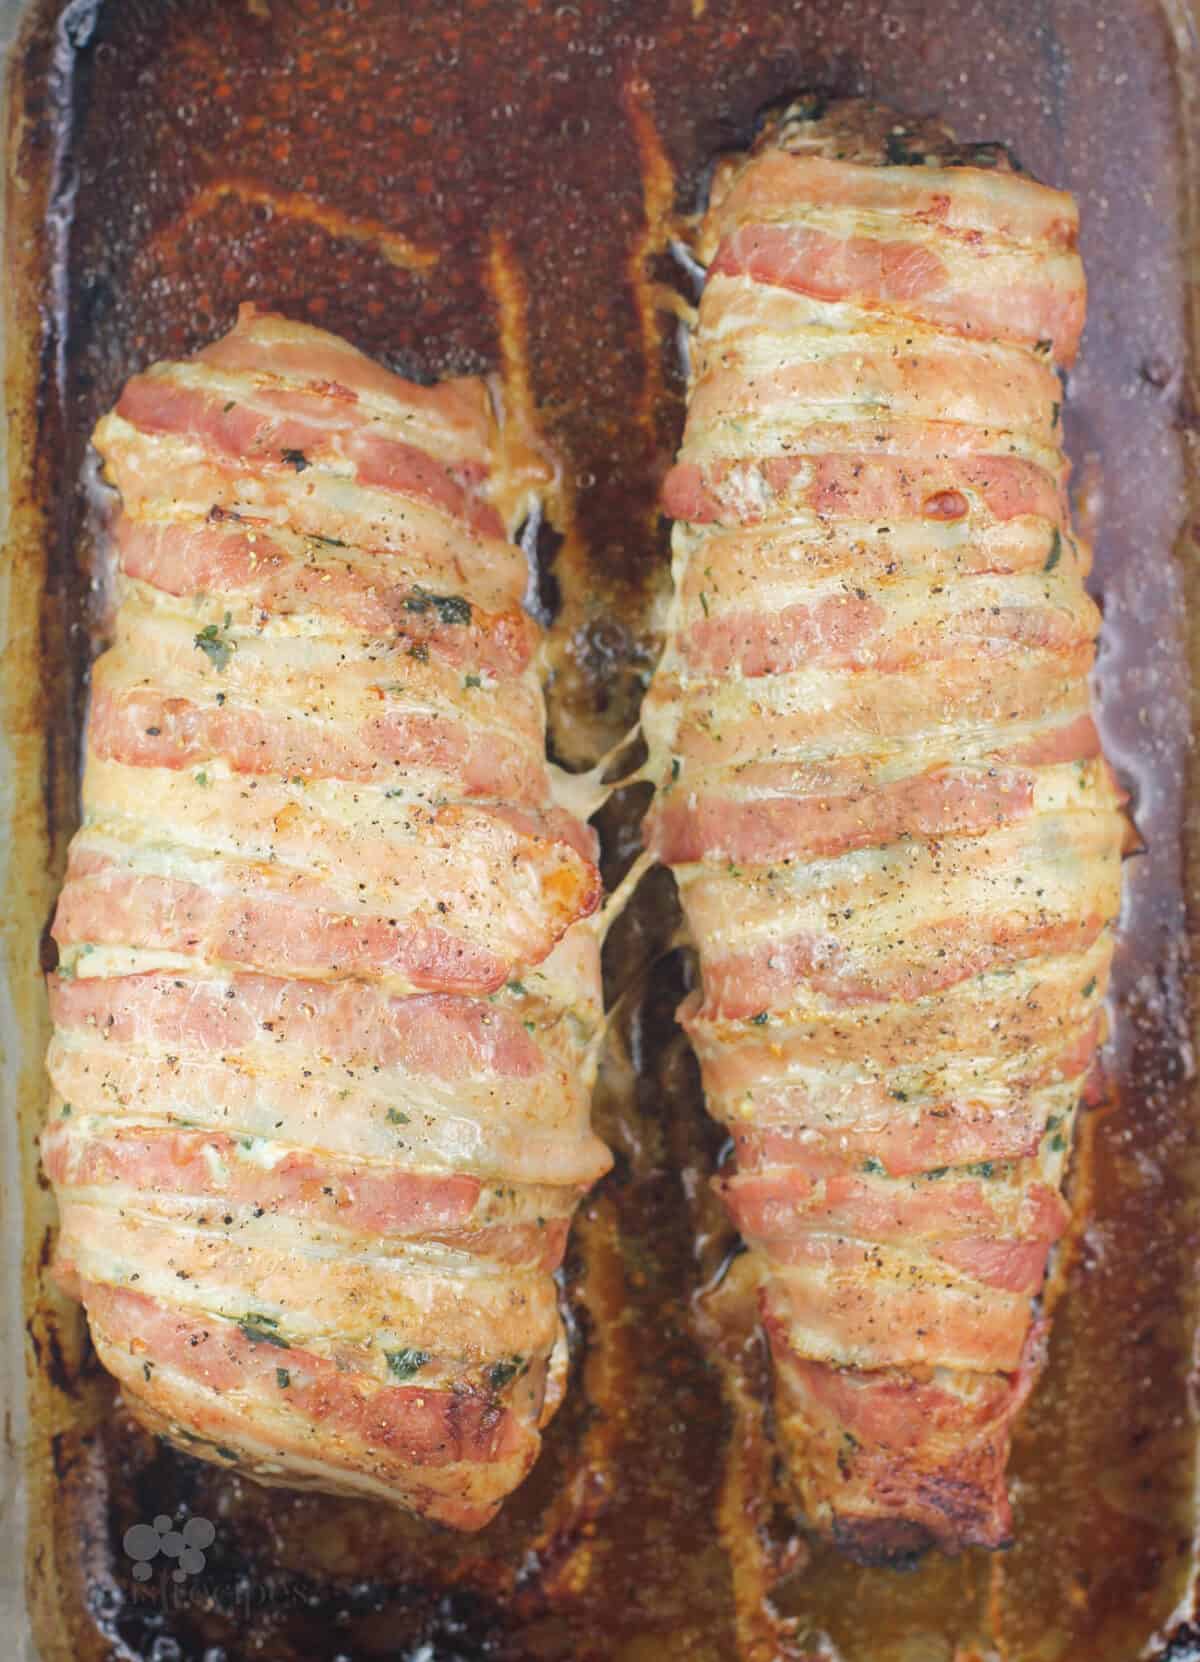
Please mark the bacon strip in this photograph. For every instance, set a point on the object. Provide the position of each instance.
(897, 846)
(326, 994)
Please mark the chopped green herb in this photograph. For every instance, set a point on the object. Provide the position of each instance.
(1044, 347)
(330, 542)
(989, 155)
(201, 778)
(900, 152)
(1055, 412)
(501, 1374)
(529, 1026)
(395, 1117)
(282, 1378)
(147, 1368)
(1055, 554)
(296, 459)
(472, 681)
(450, 608)
(874, 1166)
(1090, 988)
(900, 1096)
(258, 1330)
(419, 651)
(1052, 1120)
(674, 768)
(518, 987)
(231, 404)
(938, 1171)
(404, 1363)
(704, 602)
(982, 1168)
(66, 1111)
(225, 1451)
(810, 106)
(1058, 1142)
(848, 1447)
(216, 648)
(760, 1020)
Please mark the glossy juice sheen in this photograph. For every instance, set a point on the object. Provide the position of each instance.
(459, 189)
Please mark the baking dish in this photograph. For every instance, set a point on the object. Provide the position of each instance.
(480, 186)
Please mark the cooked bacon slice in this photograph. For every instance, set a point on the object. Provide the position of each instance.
(326, 999)
(879, 783)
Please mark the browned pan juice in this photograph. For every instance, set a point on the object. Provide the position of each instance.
(461, 187)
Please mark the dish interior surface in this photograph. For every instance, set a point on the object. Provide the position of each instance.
(488, 186)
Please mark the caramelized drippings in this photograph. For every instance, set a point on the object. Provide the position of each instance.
(483, 188)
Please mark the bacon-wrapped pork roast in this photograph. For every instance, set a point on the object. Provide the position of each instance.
(325, 1001)
(897, 844)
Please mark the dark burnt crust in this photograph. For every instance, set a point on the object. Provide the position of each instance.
(935, 1509)
(897, 1543)
(890, 1514)
(882, 1543)
(858, 130)
(880, 1509)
